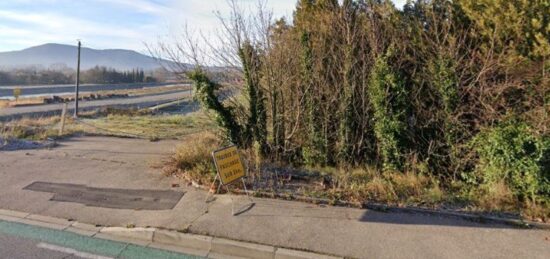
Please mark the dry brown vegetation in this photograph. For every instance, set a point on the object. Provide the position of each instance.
(193, 158)
(22, 102)
(31, 128)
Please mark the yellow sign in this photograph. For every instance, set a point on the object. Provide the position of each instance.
(229, 164)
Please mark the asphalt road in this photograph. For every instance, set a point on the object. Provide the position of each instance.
(52, 109)
(7, 91)
(30, 242)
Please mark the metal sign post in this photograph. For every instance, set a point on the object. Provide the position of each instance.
(230, 169)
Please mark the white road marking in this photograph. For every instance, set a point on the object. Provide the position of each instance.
(70, 251)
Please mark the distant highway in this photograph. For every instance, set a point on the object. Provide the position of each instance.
(52, 109)
(7, 91)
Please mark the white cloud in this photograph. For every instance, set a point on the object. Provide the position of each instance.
(52, 23)
(40, 28)
(143, 6)
(199, 15)
(55, 23)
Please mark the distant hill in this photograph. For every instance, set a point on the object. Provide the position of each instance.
(51, 54)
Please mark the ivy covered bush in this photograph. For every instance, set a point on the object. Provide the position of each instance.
(388, 98)
(512, 153)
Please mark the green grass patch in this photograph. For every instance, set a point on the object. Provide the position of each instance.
(153, 127)
(117, 123)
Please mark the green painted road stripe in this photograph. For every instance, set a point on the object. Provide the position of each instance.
(140, 252)
(62, 238)
(86, 244)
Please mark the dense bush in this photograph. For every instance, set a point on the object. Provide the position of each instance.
(512, 153)
(359, 83)
(388, 98)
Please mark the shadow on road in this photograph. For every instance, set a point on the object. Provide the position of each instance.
(425, 219)
(277, 209)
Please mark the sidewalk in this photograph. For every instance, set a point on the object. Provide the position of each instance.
(125, 164)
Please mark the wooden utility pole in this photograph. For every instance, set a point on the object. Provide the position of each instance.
(77, 82)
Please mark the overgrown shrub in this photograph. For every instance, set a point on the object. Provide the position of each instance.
(205, 92)
(364, 84)
(512, 153)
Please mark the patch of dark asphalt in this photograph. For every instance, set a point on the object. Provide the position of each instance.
(109, 197)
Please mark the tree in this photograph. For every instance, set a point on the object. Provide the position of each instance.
(520, 26)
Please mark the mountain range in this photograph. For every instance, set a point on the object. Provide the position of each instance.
(60, 55)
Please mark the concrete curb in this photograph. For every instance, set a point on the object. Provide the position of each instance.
(386, 208)
(224, 247)
(198, 245)
(470, 217)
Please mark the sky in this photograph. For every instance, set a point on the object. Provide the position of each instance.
(109, 24)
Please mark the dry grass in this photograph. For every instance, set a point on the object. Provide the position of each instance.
(22, 102)
(192, 159)
(111, 122)
(369, 184)
(496, 197)
(31, 128)
(378, 189)
(4, 103)
(408, 185)
(537, 211)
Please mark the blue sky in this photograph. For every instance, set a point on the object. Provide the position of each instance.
(110, 23)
